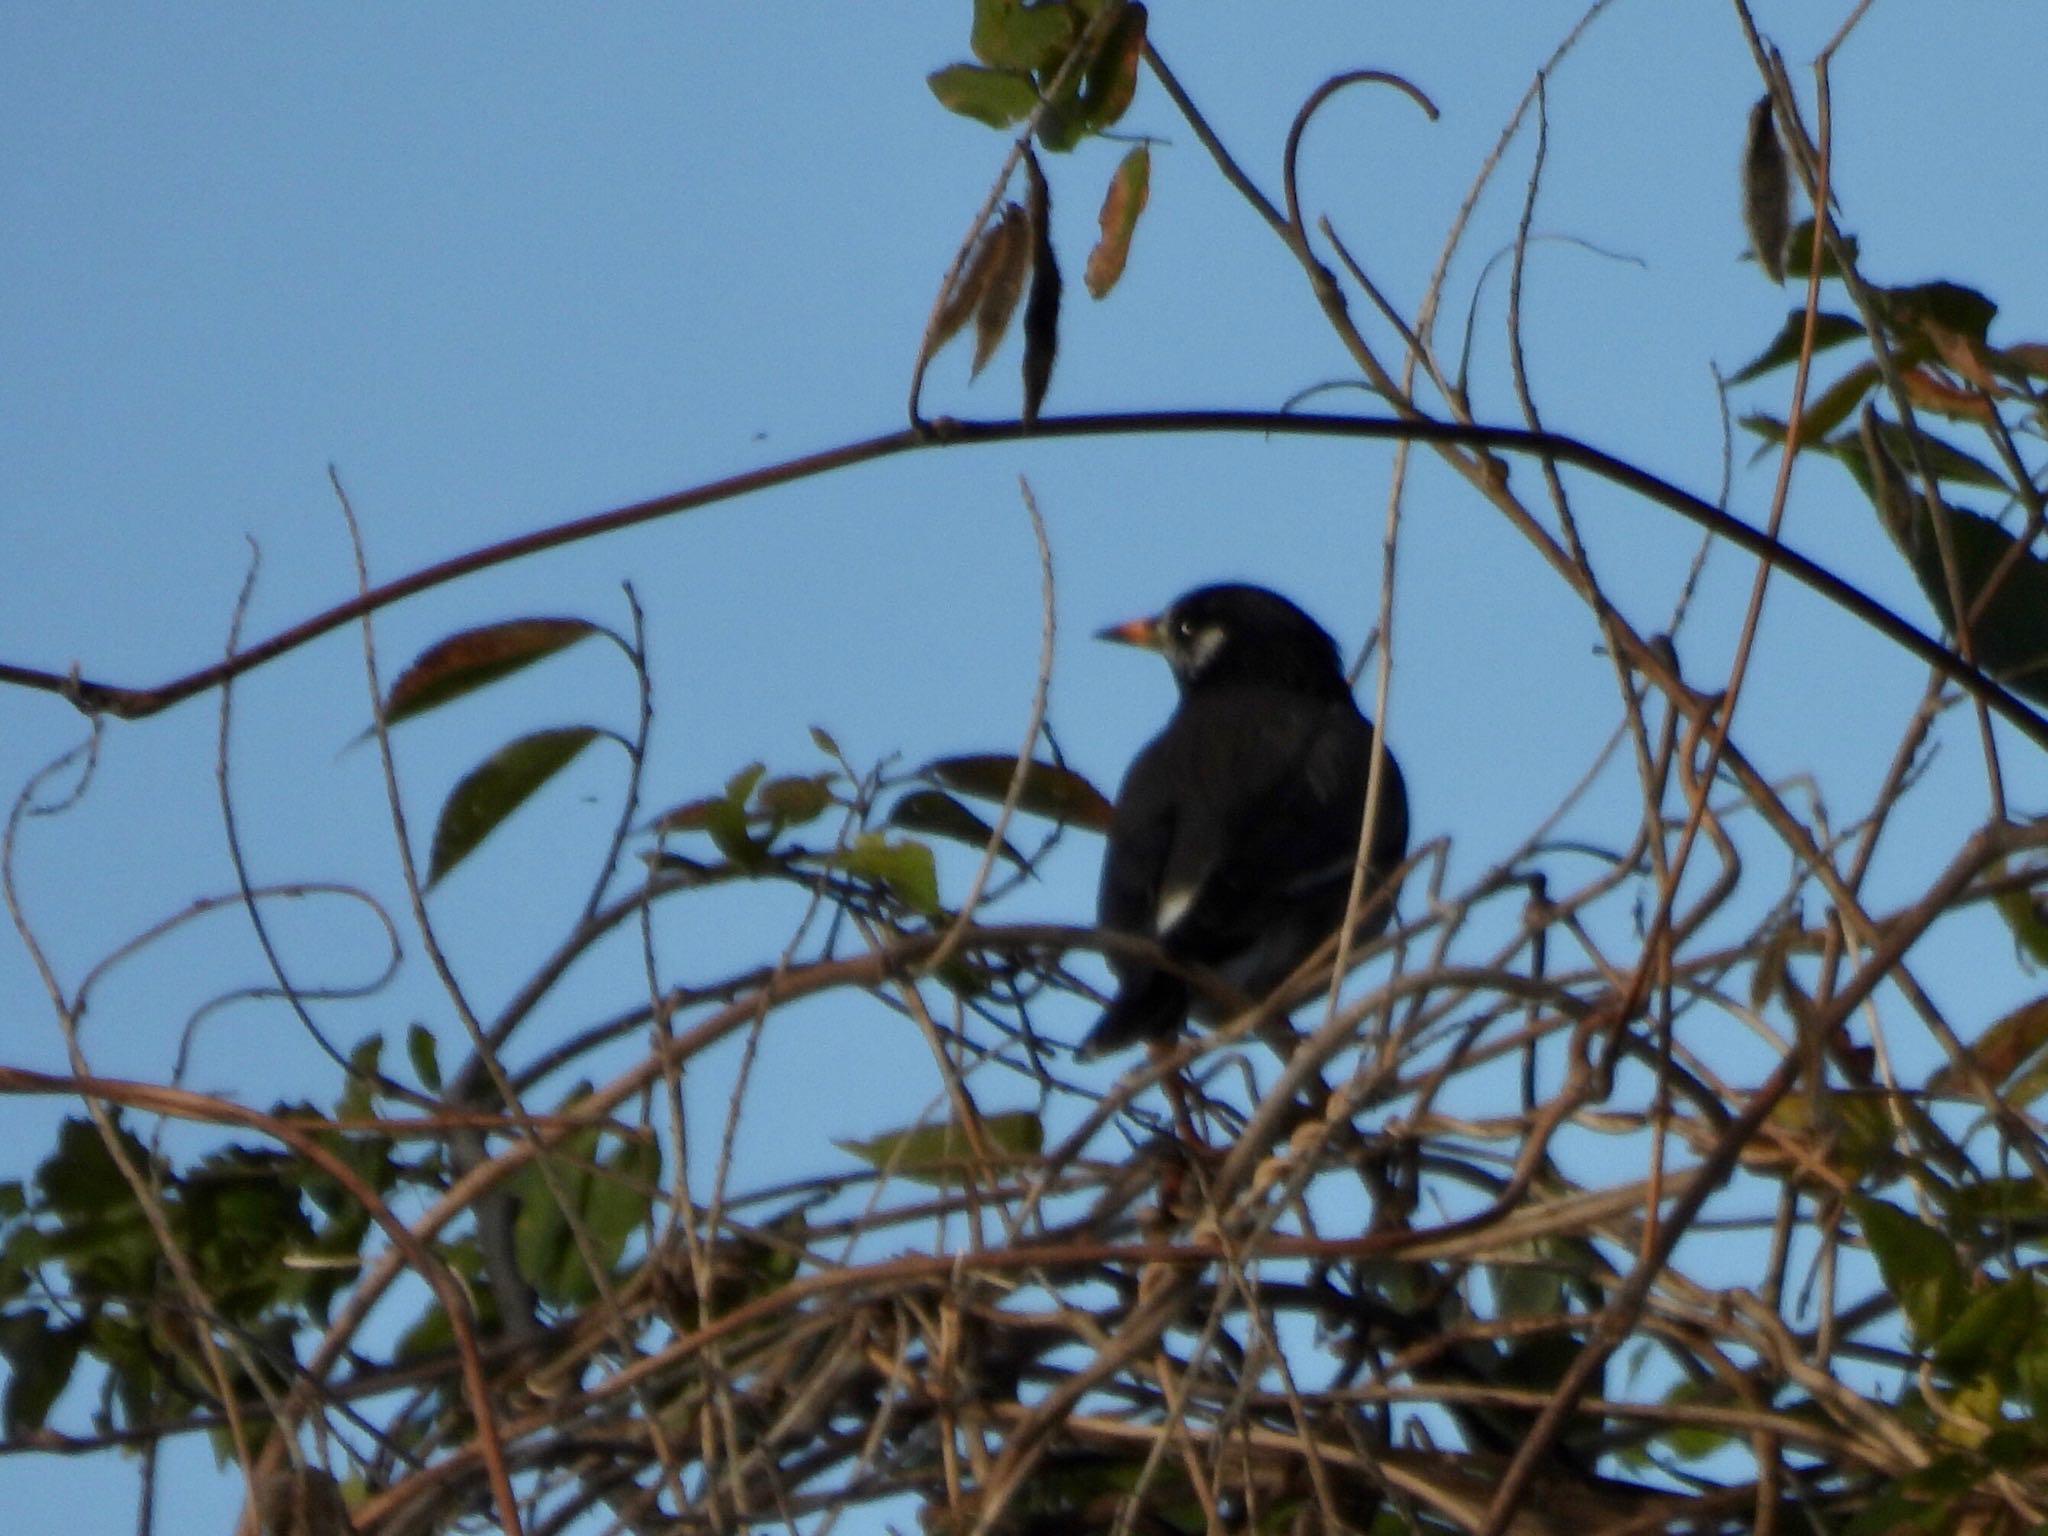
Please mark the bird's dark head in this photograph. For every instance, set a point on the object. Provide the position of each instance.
(1233, 633)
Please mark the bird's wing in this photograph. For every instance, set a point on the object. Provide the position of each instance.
(1142, 837)
(1278, 835)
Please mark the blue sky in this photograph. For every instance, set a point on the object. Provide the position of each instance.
(507, 265)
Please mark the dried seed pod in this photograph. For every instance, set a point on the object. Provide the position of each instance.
(1766, 192)
(1042, 309)
(979, 275)
(1003, 264)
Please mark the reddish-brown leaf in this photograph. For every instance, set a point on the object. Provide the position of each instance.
(1930, 393)
(465, 662)
(1129, 190)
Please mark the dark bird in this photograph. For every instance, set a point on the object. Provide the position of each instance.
(1237, 826)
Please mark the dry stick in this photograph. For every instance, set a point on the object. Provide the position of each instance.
(1608, 1336)
(1811, 164)
(293, 997)
(143, 1186)
(1810, 160)
(1612, 1328)
(284, 1446)
(1619, 646)
(1620, 641)
(1454, 237)
(1041, 693)
(1319, 276)
(460, 1319)
(636, 653)
(494, 1224)
(727, 1419)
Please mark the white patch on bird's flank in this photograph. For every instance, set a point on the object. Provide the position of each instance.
(1173, 906)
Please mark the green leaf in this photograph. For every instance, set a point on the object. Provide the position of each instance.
(700, 815)
(465, 662)
(1110, 83)
(1766, 191)
(80, 1178)
(944, 1154)
(1056, 793)
(2006, 1207)
(727, 825)
(904, 869)
(1692, 1442)
(497, 788)
(1993, 1326)
(426, 1063)
(1829, 330)
(795, 799)
(608, 1197)
(1101, 91)
(40, 1360)
(1835, 403)
(935, 813)
(1042, 305)
(358, 1099)
(1918, 1263)
(998, 97)
(1009, 34)
(2009, 636)
(1128, 191)
(235, 1217)
(2023, 915)
(1946, 462)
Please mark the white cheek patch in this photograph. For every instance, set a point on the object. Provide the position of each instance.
(1174, 902)
(1202, 648)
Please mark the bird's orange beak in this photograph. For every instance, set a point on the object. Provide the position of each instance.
(1143, 633)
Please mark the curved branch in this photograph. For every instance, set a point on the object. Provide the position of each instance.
(1309, 108)
(129, 703)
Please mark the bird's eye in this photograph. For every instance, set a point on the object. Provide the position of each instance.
(1184, 627)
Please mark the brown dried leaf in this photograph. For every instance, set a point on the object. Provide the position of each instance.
(1930, 393)
(1999, 1053)
(1766, 192)
(1042, 309)
(2029, 357)
(1966, 354)
(1128, 192)
(1007, 258)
